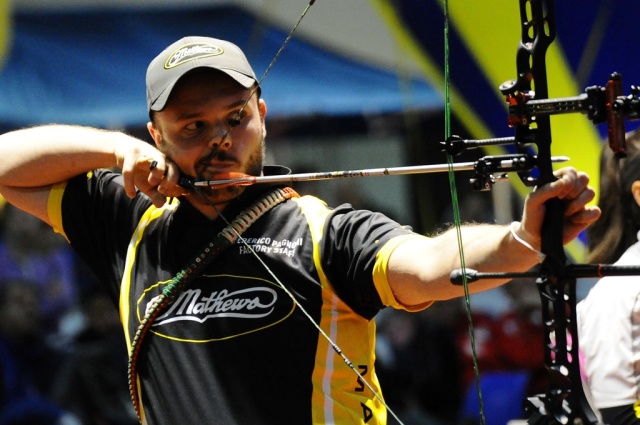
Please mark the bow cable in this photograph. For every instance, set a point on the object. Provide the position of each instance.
(456, 209)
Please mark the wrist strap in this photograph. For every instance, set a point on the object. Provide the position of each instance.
(512, 229)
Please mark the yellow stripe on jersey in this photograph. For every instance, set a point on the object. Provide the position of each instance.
(338, 395)
(54, 207)
(151, 214)
(380, 275)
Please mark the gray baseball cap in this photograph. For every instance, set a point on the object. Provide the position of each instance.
(189, 53)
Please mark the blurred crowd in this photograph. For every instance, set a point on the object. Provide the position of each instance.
(426, 366)
(63, 357)
(62, 354)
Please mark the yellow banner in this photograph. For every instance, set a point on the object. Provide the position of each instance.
(492, 33)
(5, 29)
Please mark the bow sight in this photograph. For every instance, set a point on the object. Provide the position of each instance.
(599, 103)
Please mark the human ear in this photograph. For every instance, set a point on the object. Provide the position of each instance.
(155, 133)
(635, 191)
(262, 107)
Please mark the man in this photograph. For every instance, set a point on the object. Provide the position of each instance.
(234, 345)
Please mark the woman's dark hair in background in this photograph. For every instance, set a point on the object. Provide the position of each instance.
(617, 228)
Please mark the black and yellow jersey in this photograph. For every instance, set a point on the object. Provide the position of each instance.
(234, 347)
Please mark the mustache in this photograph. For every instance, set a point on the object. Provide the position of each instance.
(216, 154)
(215, 151)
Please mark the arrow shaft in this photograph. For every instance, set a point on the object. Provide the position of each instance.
(368, 172)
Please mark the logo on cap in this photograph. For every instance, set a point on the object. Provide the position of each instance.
(191, 52)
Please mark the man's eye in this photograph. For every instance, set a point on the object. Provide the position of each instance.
(194, 126)
(235, 120)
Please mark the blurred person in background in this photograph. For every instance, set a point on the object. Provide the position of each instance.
(91, 383)
(27, 364)
(509, 355)
(419, 365)
(609, 316)
(30, 251)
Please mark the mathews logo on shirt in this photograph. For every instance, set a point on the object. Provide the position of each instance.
(220, 307)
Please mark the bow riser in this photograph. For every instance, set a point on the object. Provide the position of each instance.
(564, 401)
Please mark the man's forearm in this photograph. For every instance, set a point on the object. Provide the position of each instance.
(45, 155)
(419, 269)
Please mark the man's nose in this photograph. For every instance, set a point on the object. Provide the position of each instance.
(221, 139)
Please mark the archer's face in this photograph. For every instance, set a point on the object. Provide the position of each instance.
(195, 130)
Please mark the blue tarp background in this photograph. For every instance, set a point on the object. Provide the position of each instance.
(89, 68)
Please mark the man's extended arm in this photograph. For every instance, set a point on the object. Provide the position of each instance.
(419, 269)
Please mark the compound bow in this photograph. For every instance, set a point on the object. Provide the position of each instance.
(529, 110)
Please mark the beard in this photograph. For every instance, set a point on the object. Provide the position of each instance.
(226, 194)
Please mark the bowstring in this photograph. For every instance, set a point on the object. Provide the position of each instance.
(456, 210)
(275, 58)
